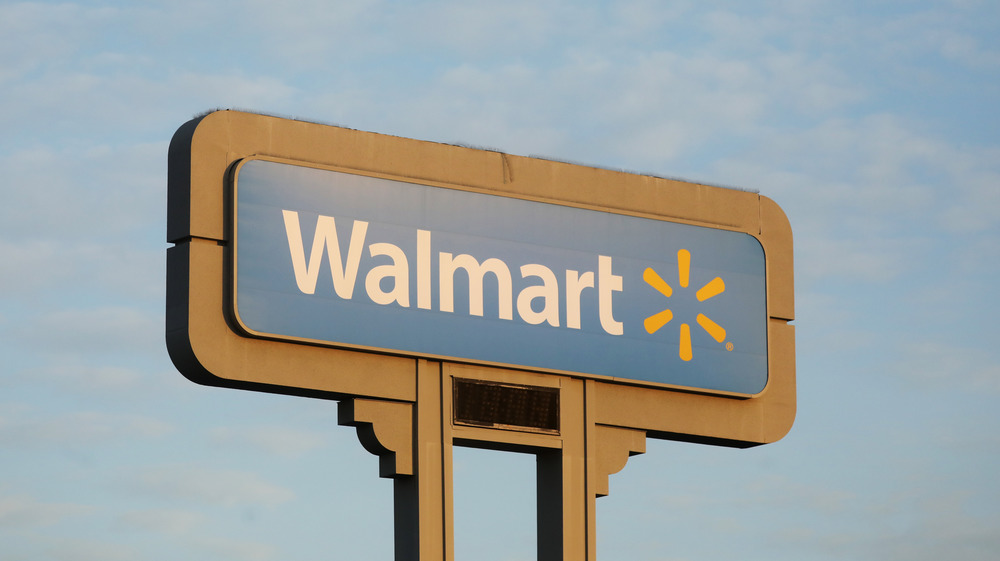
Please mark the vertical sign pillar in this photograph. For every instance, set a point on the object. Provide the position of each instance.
(415, 444)
(424, 525)
(565, 507)
(571, 478)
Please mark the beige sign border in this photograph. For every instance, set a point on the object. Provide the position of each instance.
(206, 348)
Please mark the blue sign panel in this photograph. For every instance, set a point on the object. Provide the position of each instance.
(364, 262)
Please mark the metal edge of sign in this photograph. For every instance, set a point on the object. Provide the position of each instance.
(205, 348)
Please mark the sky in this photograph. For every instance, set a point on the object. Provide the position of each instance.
(873, 124)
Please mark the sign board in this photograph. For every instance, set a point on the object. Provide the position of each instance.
(317, 260)
(372, 263)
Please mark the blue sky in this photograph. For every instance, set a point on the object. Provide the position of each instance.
(874, 125)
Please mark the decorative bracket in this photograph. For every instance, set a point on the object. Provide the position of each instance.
(614, 446)
(385, 428)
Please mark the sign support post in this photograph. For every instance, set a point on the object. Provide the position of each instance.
(572, 467)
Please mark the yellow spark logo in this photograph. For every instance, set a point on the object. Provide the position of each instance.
(713, 288)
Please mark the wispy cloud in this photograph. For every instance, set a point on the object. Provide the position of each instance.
(21, 511)
(207, 486)
(24, 428)
(282, 441)
(172, 522)
(91, 331)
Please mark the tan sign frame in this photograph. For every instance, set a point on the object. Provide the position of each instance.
(397, 401)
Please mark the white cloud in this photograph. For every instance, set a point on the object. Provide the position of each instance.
(867, 261)
(772, 492)
(19, 511)
(238, 550)
(34, 33)
(24, 429)
(208, 487)
(928, 527)
(863, 177)
(654, 107)
(93, 106)
(950, 32)
(78, 376)
(648, 110)
(39, 273)
(108, 329)
(161, 520)
(25, 265)
(228, 89)
(944, 365)
(633, 18)
(516, 27)
(281, 441)
(82, 220)
(780, 491)
(84, 189)
(84, 549)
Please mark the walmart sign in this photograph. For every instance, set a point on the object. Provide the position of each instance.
(326, 257)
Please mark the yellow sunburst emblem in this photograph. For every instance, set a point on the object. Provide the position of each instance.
(713, 288)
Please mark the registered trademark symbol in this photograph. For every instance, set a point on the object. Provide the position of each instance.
(729, 345)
